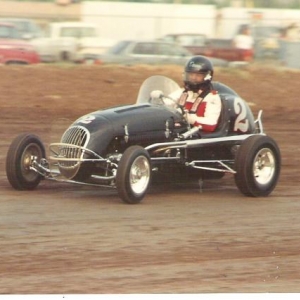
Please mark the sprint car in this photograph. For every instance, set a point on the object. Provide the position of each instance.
(127, 147)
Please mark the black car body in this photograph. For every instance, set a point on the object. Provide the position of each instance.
(125, 147)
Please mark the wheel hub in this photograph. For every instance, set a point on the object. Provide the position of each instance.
(264, 166)
(27, 162)
(140, 174)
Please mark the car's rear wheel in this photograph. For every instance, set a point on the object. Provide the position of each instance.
(19, 159)
(133, 175)
(257, 166)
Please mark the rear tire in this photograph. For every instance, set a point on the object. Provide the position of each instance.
(257, 166)
(18, 161)
(133, 175)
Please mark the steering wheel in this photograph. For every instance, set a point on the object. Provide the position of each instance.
(167, 101)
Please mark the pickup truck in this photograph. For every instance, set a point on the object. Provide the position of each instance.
(265, 37)
(14, 50)
(199, 44)
(70, 41)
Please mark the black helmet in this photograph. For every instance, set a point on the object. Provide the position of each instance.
(201, 65)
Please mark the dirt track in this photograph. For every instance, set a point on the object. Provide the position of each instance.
(68, 239)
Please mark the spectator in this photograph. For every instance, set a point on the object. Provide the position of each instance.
(244, 41)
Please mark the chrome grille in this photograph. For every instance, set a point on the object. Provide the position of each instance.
(73, 143)
(76, 135)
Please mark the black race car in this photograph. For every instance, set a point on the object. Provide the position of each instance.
(128, 147)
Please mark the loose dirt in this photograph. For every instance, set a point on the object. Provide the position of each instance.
(65, 239)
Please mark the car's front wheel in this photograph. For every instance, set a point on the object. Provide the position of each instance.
(257, 166)
(19, 159)
(133, 174)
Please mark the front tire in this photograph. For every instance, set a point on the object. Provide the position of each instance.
(257, 166)
(18, 161)
(133, 175)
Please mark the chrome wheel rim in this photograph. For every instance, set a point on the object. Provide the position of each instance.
(32, 150)
(139, 175)
(264, 166)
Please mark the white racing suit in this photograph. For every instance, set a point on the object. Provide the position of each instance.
(201, 112)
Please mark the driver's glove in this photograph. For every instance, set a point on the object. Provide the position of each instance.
(156, 94)
(191, 118)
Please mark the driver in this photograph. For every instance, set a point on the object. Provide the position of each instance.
(201, 103)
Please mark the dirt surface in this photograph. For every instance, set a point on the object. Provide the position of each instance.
(65, 239)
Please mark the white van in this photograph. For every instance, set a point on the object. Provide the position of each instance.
(71, 41)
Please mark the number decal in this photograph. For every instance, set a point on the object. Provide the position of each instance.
(87, 119)
(241, 122)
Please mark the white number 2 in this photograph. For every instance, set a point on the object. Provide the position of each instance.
(241, 122)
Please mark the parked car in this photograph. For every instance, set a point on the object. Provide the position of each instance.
(28, 28)
(124, 147)
(147, 52)
(199, 44)
(14, 50)
(69, 41)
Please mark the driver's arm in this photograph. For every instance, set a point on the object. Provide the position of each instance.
(169, 100)
(176, 94)
(207, 114)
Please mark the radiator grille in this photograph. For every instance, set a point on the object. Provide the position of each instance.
(74, 136)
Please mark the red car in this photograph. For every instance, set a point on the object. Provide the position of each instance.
(14, 50)
(199, 44)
